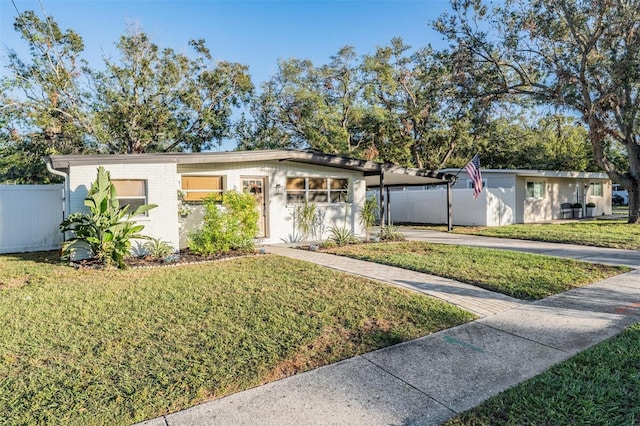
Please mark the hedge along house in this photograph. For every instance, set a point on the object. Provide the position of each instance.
(280, 180)
(509, 196)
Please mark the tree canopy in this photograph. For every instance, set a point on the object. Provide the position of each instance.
(578, 55)
(148, 100)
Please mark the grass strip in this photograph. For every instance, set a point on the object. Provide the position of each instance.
(598, 233)
(522, 275)
(84, 347)
(600, 386)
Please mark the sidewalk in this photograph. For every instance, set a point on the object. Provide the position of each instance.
(429, 380)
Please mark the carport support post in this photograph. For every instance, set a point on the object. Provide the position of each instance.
(449, 208)
(382, 199)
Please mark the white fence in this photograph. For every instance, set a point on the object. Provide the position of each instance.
(493, 207)
(29, 217)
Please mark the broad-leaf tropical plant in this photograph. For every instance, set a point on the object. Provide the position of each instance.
(106, 231)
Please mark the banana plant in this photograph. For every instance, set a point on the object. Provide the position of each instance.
(106, 231)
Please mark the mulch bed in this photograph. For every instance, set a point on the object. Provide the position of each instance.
(184, 257)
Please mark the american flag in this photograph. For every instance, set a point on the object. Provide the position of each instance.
(473, 170)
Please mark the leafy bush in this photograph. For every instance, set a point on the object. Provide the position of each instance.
(391, 233)
(107, 230)
(305, 219)
(341, 235)
(591, 205)
(577, 205)
(369, 215)
(230, 226)
(157, 248)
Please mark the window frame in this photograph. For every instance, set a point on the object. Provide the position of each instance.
(144, 197)
(592, 186)
(543, 185)
(317, 188)
(470, 184)
(206, 191)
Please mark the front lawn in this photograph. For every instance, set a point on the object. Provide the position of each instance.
(600, 386)
(521, 275)
(116, 347)
(599, 233)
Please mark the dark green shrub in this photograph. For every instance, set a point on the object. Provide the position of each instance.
(231, 225)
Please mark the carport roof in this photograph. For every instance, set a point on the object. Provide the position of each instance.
(393, 175)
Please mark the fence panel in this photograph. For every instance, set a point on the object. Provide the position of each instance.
(29, 217)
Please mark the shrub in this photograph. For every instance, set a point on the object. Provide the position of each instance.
(157, 248)
(107, 230)
(230, 226)
(341, 235)
(391, 233)
(305, 217)
(369, 215)
(591, 204)
(577, 205)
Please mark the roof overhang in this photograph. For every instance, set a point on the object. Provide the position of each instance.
(540, 173)
(393, 175)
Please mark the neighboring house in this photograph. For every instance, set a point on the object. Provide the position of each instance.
(509, 196)
(279, 179)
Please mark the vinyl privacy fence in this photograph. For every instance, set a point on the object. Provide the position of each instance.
(493, 207)
(29, 217)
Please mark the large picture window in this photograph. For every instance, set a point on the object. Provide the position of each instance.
(196, 188)
(596, 189)
(317, 190)
(132, 192)
(535, 189)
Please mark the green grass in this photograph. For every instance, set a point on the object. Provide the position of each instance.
(600, 386)
(116, 347)
(521, 275)
(598, 233)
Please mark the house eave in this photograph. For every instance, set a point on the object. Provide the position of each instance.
(395, 175)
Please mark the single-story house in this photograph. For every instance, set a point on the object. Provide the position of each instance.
(279, 179)
(508, 196)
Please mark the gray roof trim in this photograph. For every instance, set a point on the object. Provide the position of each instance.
(538, 173)
(369, 168)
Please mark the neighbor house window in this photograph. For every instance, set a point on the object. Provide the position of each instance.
(196, 188)
(596, 189)
(535, 189)
(470, 184)
(317, 190)
(132, 192)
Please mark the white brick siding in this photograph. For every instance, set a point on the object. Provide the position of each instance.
(161, 222)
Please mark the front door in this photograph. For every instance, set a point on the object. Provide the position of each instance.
(255, 186)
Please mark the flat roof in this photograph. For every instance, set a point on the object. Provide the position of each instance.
(537, 173)
(393, 175)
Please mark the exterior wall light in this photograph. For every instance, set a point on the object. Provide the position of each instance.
(278, 189)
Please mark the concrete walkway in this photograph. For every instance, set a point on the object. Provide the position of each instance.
(429, 380)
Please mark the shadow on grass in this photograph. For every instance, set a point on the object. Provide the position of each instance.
(42, 257)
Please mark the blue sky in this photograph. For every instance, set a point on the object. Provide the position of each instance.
(255, 33)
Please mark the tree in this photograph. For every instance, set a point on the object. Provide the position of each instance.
(422, 116)
(580, 55)
(43, 104)
(159, 100)
(311, 107)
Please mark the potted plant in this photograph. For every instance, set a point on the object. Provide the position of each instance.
(577, 210)
(590, 208)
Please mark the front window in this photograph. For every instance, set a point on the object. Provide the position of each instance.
(131, 192)
(196, 188)
(317, 190)
(535, 189)
(596, 189)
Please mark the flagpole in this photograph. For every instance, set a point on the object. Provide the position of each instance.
(465, 165)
